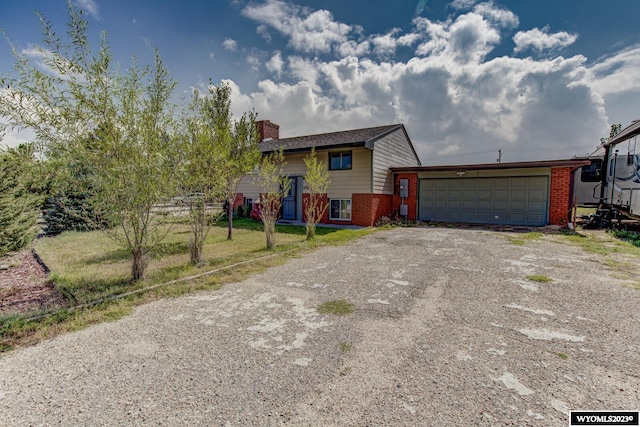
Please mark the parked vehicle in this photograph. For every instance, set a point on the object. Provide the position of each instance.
(587, 180)
(619, 178)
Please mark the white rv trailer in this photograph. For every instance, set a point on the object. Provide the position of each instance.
(620, 190)
(587, 180)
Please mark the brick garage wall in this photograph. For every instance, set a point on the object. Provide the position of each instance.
(367, 208)
(560, 195)
(411, 201)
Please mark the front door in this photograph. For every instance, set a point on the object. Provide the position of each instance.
(289, 203)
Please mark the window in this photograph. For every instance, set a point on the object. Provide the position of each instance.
(340, 209)
(338, 161)
(591, 172)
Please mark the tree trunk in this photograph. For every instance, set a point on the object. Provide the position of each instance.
(311, 231)
(196, 253)
(139, 263)
(230, 215)
(270, 232)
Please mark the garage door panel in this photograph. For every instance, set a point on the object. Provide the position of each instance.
(503, 200)
(538, 181)
(518, 206)
(538, 194)
(520, 182)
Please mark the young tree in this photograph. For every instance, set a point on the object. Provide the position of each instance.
(237, 144)
(274, 186)
(80, 96)
(317, 182)
(18, 202)
(201, 175)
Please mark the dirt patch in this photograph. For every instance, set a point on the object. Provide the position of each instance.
(23, 285)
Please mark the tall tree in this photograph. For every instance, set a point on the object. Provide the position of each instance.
(237, 142)
(317, 181)
(80, 96)
(19, 202)
(274, 186)
(201, 177)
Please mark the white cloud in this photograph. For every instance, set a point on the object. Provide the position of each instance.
(540, 40)
(617, 73)
(230, 44)
(89, 6)
(502, 17)
(388, 43)
(275, 64)
(468, 39)
(308, 31)
(14, 138)
(458, 105)
(462, 4)
(254, 61)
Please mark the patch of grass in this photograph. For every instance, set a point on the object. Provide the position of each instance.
(562, 356)
(633, 285)
(88, 267)
(627, 236)
(539, 279)
(337, 307)
(345, 347)
(523, 238)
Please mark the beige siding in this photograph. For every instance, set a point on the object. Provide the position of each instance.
(391, 151)
(343, 182)
(248, 188)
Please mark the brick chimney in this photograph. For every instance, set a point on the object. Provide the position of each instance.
(268, 130)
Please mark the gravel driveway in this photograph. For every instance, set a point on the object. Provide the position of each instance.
(447, 330)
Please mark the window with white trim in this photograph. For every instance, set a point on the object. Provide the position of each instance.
(340, 209)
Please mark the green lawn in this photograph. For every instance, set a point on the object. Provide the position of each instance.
(88, 266)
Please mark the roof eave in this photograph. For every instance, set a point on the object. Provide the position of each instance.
(318, 148)
(489, 166)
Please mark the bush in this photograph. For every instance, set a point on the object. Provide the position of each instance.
(240, 212)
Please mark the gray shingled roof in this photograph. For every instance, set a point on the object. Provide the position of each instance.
(334, 139)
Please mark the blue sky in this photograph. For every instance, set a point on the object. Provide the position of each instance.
(538, 79)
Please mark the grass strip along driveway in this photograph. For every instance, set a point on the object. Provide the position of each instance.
(92, 273)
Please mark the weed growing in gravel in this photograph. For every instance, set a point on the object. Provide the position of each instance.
(521, 239)
(539, 279)
(634, 285)
(337, 307)
(562, 356)
(345, 347)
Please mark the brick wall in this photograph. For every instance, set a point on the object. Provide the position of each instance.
(367, 208)
(560, 195)
(411, 201)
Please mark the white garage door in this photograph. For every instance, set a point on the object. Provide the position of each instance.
(508, 200)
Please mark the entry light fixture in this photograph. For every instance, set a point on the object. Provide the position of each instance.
(461, 173)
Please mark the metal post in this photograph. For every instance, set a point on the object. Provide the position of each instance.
(613, 176)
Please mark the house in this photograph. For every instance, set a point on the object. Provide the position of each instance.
(376, 171)
(359, 161)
